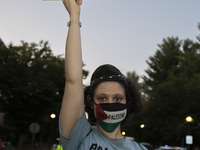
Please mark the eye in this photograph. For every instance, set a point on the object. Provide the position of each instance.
(117, 99)
(101, 98)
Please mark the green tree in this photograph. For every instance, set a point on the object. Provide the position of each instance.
(133, 75)
(173, 85)
(32, 84)
(143, 87)
(171, 88)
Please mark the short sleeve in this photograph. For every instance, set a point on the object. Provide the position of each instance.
(80, 129)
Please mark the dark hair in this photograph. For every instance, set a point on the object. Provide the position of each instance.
(133, 98)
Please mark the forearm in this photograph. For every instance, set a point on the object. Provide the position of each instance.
(73, 55)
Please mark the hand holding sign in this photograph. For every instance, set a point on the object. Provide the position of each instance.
(73, 8)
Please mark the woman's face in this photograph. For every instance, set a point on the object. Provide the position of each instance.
(109, 92)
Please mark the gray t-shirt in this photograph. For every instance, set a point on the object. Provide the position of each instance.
(87, 137)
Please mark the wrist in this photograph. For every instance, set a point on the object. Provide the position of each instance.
(74, 17)
(74, 22)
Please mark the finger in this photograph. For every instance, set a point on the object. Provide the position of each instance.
(79, 2)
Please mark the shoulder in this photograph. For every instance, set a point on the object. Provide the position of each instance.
(81, 128)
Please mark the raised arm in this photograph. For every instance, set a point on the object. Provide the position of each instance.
(73, 99)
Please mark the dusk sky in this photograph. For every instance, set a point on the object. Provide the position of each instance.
(124, 33)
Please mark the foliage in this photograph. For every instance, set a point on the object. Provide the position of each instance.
(173, 78)
(32, 85)
(32, 82)
(133, 75)
(172, 84)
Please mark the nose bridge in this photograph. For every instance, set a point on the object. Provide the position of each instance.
(110, 99)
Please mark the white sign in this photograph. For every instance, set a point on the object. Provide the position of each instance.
(189, 139)
(34, 127)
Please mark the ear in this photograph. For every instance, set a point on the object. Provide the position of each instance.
(89, 98)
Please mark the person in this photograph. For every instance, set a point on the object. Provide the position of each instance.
(59, 144)
(108, 100)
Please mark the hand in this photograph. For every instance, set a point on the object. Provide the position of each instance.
(73, 8)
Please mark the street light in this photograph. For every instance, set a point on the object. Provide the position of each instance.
(123, 133)
(142, 126)
(189, 119)
(53, 116)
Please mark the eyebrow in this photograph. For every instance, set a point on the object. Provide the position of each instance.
(112, 95)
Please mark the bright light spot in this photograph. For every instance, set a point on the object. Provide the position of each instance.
(142, 126)
(123, 133)
(166, 145)
(189, 119)
(53, 116)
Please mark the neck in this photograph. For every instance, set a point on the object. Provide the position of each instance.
(116, 134)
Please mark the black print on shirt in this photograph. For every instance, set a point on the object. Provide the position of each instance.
(96, 147)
